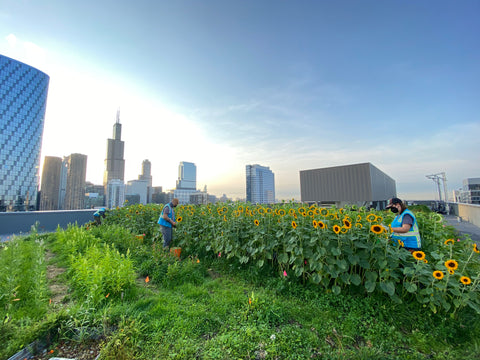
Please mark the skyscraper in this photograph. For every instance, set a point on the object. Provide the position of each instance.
(49, 196)
(186, 182)
(76, 175)
(260, 184)
(23, 98)
(147, 175)
(114, 163)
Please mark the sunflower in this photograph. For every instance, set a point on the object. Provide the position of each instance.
(425, 261)
(401, 243)
(379, 219)
(225, 218)
(359, 225)
(291, 211)
(451, 271)
(294, 224)
(371, 217)
(344, 230)
(282, 212)
(310, 213)
(301, 210)
(419, 255)
(337, 229)
(347, 223)
(179, 219)
(317, 211)
(437, 274)
(359, 218)
(451, 264)
(449, 242)
(377, 229)
(321, 225)
(323, 212)
(256, 222)
(465, 280)
(315, 224)
(475, 248)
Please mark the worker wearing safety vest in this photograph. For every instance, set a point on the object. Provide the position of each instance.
(167, 221)
(404, 226)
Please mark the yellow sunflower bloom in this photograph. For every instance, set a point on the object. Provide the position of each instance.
(475, 248)
(371, 217)
(310, 213)
(419, 255)
(344, 230)
(358, 225)
(449, 242)
(347, 223)
(282, 212)
(451, 271)
(465, 280)
(315, 224)
(451, 264)
(321, 225)
(323, 212)
(179, 219)
(301, 210)
(337, 229)
(359, 218)
(224, 218)
(377, 229)
(294, 224)
(256, 222)
(401, 243)
(438, 274)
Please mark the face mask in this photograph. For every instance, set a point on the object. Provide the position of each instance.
(394, 210)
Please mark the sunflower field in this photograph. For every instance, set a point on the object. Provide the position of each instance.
(339, 249)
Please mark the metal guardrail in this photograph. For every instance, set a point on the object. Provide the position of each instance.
(16, 223)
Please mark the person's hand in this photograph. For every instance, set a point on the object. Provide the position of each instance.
(174, 224)
(386, 228)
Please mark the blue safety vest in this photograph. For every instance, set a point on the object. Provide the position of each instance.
(171, 215)
(411, 239)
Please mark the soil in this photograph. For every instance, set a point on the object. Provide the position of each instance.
(72, 350)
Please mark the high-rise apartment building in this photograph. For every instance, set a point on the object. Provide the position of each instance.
(49, 196)
(23, 98)
(114, 162)
(76, 175)
(186, 182)
(260, 184)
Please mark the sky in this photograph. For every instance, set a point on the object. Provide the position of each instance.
(292, 85)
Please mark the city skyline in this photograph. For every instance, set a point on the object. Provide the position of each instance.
(294, 86)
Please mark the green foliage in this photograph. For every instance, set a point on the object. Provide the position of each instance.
(101, 272)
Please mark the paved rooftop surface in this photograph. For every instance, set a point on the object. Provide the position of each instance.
(464, 227)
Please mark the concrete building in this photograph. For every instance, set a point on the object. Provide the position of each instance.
(138, 187)
(76, 175)
(50, 187)
(23, 99)
(260, 184)
(114, 162)
(360, 184)
(470, 192)
(147, 175)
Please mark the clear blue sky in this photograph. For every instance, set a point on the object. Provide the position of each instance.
(292, 85)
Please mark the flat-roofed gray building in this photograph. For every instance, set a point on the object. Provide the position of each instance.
(359, 184)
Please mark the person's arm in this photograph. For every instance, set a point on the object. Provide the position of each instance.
(406, 225)
(166, 218)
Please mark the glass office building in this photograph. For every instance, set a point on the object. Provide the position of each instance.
(23, 97)
(260, 184)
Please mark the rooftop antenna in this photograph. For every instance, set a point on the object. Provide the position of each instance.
(118, 116)
(436, 179)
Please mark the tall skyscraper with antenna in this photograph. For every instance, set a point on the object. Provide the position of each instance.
(114, 162)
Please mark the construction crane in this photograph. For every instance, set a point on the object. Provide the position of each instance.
(436, 179)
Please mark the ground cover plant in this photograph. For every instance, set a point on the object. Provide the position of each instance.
(281, 282)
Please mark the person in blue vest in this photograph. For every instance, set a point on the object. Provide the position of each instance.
(404, 226)
(97, 215)
(167, 222)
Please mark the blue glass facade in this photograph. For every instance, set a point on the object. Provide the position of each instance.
(260, 184)
(23, 97)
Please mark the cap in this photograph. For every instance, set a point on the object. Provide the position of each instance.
(393, 201)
